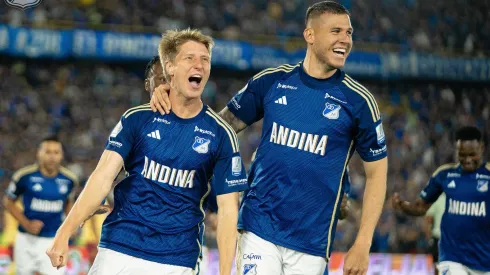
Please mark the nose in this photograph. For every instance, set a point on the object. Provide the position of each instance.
(345, 38)
(198, 64)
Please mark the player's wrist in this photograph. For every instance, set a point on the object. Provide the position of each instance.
(363, 243)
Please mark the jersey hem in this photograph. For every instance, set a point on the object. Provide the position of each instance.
(156, 259)
(468, 265)
(289, 246)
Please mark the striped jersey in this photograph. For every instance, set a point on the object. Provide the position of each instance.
(169, 161)
(465, 235)
(311, 128)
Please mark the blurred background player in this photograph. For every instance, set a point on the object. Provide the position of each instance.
(432, 221)
(307, 168)
(464, 244)
(46, 191)
(158, 209)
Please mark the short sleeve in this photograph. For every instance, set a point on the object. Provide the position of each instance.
(248, 104)
(433, 190)
(229, 174)
(370, 137)
(16, 187)
(122, 137)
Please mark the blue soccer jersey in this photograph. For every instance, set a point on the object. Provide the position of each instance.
(43, 198)
(465, 234)
(159, 207)
(311, 128)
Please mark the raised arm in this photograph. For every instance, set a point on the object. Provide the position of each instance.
(234, 122)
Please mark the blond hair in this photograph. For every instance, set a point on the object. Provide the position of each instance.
(171, 41)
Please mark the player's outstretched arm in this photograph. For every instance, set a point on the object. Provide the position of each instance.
(234, 121)
(227, 230)
(417, 208)
(98, 186)
(357, 259)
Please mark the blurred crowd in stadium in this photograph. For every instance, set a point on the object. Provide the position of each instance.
(406, 24)
(83, 101)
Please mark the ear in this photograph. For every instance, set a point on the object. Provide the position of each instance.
(309, 35)
(170, 68)
(147, 85)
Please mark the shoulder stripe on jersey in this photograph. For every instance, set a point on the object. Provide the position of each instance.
(445, 167)
(137, 110)
(231, 133)
(269, 70)
(365, 90)
(24, 171)
(283, 68)
(337, 201)
(373, 112)
(69, 174)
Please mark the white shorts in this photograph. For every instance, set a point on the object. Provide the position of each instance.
(30, 255)
(110, 262)
(453, 268)
(256, 256)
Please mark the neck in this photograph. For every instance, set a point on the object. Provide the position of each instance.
(184, 107)
(48, 173)
(315, 67)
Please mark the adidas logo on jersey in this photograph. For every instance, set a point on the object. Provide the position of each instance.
(154, 134)
(452, 184)
(282, 100)
(37, 187)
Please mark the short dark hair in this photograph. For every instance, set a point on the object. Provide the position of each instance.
(469, 133)
(52, 138)
(150, 64)
(320, 8)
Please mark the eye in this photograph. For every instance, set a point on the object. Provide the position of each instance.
(188, 58)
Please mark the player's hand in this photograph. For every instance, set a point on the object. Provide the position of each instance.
(58, 252)
(160, 100)
(102, 209)
(397, 202)
(356, 261)
(344, 207)
(34, 227)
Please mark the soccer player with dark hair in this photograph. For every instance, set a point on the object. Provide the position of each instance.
(46, 191)
(156, 224)
(314, 117)
(464, 245)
